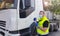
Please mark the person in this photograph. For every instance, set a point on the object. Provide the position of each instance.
(43, 24)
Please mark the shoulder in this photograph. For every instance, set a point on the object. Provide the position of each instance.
(46, 21)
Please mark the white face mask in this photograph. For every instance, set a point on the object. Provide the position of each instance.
(40, 16)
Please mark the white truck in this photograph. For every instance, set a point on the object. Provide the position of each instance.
(54, 22)
(16, 16)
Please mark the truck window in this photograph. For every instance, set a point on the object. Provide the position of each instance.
(6, 4)
(26, 8)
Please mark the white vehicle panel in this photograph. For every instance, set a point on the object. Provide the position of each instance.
(9, 16)
(26, 22)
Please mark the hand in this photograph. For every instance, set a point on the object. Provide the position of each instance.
(34, 19)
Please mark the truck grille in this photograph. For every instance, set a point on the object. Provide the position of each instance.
(3, 23)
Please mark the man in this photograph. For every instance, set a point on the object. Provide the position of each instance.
(43, 24)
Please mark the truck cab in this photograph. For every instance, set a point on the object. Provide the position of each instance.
(16, 16)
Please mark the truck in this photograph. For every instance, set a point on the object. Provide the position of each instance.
(54, 21)
(16, 16)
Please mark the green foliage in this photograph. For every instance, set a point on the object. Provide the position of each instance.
(55, 8)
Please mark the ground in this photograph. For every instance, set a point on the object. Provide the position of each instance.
(55, 33)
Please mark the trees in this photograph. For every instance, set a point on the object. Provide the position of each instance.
(55, 7)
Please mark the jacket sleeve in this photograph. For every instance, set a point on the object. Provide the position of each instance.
(45, 24)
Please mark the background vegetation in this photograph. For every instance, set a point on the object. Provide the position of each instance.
(55, 7)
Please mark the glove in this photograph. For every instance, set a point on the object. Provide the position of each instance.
(34, 19)
(36, 24)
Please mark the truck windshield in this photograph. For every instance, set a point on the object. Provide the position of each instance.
(6, 4)
(26, 8)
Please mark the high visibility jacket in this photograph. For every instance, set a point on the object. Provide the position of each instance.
(40, 24)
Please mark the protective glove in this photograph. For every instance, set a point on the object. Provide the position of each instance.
(36, 24)
(35, 20)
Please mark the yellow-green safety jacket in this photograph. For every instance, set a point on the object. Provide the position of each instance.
(40, 24)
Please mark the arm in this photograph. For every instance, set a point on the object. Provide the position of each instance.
(45, 26)
(43, 29)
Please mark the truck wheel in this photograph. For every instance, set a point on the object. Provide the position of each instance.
(58, 24)
(51, 28)
(2, 34)
(33, 29)
(56, 27)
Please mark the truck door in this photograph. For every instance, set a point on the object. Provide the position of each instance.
(26, 7)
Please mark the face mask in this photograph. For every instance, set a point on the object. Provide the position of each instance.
(40, 16)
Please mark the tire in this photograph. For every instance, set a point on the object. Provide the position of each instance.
(2, 34)
(51, 28)
(56, 27)
(33, 29)
(58, 24)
